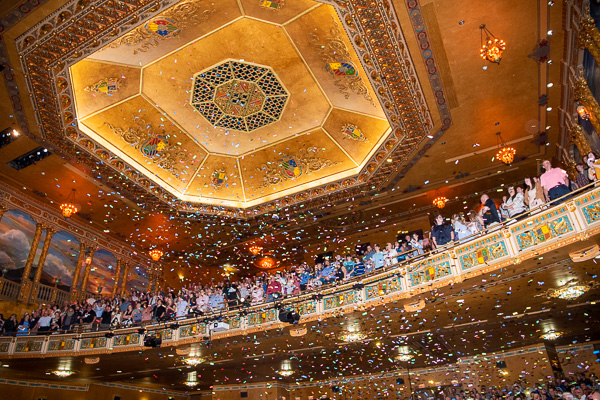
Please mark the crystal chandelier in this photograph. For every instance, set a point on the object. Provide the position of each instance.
(156, 254)
(63, 373)
(255, 249)
(551, 335)
(193, 361)
(505, 153)
(491, 47)
(440, 201)
(352, 337)
(69, 208)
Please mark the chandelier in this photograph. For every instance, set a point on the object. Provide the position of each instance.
(440, 201)
(266, 263)
(156, 254)
(286, 369)
(505, 153)
(492, 47)
(68, 208)
(404, 357)
(255, 249)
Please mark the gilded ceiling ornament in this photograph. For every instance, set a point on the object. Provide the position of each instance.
(218, 178)
(152, 145)
(165, 26)
(289, 167)
(104, 86)
(238, 95)
(275, 5)
(353, 132)
(336, 56)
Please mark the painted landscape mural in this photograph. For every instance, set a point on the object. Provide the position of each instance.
(16, 234)
(102, 274)
(61, 260)
(137, 279)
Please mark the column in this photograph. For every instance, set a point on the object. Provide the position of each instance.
(116, 287)
(40, 267)
(579, 140)
(80, 259)
(25, 282)
(124, 280)
(583, 95)
(152, 281)
(589, 38)
(86, 273)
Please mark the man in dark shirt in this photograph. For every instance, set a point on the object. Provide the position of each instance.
(441, 233)
(489, 211)
(159, 311)
(89, 316)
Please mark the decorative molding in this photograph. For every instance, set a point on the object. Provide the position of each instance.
(152, 145)
(104, 86)
(353, 132)
(167, 25)
(336, 56)
(292, 167)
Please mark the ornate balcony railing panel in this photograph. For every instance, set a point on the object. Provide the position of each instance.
(9, 289)
(529, 237)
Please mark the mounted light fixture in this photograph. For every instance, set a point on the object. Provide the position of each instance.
(404, 357)
(583, 112)
(63, 373)
(491, 47)
(551, 335)
(69, 208)
(350, 337)
(440, 201)
(255, 249)
(155, 254)
(193, 361)
(505, 153)
(286, 369)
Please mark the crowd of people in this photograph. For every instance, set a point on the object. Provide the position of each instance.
(200, 299)
(577, 387)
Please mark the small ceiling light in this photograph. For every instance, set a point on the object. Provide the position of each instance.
(193, 361)
(68, 208)
(156, 254)
(255, 249)
(551, 335)
(15, 132)
(350, 337)
(491, 47)
(404, 357)
(191, 383)
(63, 373)
(440, 201)
(505, 153)
(389, 160)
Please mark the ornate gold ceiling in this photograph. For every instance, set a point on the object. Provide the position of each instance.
(245, 104)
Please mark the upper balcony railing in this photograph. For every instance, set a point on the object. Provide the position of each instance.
(543, 230)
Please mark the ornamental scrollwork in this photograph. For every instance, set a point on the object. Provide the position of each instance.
(333, 52)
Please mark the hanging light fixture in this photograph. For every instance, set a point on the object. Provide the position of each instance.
(286, 369)
(440, 201)
(551, 335)
(63, 373)
(255, 249)
(69, 208)
(491, 47)
(156, 254)
(505, 153)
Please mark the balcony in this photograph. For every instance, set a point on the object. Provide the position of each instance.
(512, 249)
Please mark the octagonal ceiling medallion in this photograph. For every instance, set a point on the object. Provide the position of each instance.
(239, 95)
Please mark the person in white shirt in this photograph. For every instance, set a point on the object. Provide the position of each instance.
(182, 306)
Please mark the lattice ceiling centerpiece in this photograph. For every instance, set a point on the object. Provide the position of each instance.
(239, 95)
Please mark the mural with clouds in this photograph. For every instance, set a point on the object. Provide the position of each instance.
(16, 234)
(137, 279)
(61, 260)
(102, 274)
